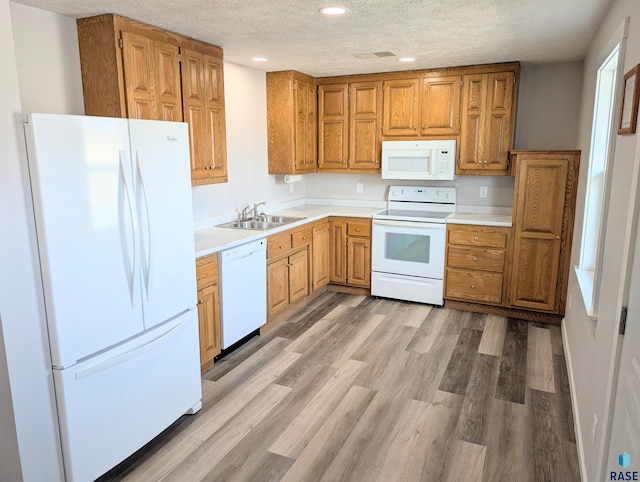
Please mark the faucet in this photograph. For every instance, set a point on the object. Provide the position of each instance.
(255, 209)
(245, 213)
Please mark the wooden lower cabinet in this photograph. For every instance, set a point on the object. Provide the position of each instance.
(475, 264)
(350, 251)
(208, 309)
(320, 255)
(288, 268)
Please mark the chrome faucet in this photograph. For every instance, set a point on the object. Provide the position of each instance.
(255, 209)
(245, 213)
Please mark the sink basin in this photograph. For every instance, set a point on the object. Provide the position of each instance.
(261, 223)
(268, 218)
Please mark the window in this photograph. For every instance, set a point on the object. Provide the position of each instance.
(596, 201)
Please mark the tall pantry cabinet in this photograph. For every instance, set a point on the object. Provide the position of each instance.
(543, 214)
(134, 70)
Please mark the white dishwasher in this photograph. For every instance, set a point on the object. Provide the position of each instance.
(243, 290)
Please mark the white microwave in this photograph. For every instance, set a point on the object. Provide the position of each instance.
(424, 160)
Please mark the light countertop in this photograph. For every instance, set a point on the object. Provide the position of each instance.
(213, 239)
(481, 219)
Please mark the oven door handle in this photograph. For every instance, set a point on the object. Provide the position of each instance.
(409, 224)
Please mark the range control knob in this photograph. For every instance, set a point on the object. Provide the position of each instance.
(404, 191)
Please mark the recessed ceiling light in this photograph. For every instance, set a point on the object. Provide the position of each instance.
(407, 59)
(259, 59)
(333, 10)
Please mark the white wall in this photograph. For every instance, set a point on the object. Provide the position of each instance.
(46, 47)
(547, 118)
(592, 345)
(249, 182)
(28, 432)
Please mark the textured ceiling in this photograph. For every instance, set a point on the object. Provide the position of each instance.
(438, 33)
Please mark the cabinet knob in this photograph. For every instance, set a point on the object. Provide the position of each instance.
(357, 230)
(201, 301)
(344, 161)
(304, 238)
(280, 247)
(475, 238)
(424, 127)
(473, 286)
(366, 245)
(557, 237)
(486, 162)
(475, 258)
(197, 278)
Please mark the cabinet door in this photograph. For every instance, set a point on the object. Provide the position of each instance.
(209, 325)
(359, 261)
(277, 286)
(298, 275)
(440, 105)
(365, 107)
(401, 107)
(137, 56)
(215, 141)
(333, 138)
(474, 103)
(312, 126)
(539, 209)
(338, 244)
(498, 133)
(167, 82)
(194, 106)
(321, 243)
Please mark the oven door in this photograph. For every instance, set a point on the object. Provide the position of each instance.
(408, 248)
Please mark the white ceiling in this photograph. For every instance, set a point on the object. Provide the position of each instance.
(438, 33)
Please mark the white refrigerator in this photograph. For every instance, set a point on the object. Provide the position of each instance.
(114, 223)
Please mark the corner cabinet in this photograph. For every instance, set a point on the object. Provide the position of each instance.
(543, 214)
(291, 122)
(349, 120)
(138, 71)
(208, 309)
(488, 118)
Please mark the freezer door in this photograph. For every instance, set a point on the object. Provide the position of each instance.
(115, 403)
(84, 203)
(160, 152)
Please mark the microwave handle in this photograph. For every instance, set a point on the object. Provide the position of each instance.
(408, 224)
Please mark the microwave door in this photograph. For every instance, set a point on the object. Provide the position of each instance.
(410, 164)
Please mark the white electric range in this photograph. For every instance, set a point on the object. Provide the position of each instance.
(408, 244)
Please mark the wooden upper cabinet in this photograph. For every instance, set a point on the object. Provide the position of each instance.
(400, 107)
(440, 105)
(365, 117)
(544, 206)
(487, 130)
(333, 139)
(134, 70)
(291, 122)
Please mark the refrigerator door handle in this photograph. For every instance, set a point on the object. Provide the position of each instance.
(133, 277)
(149, 272)
(128, 355)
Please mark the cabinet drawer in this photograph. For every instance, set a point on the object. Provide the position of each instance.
(483, 259)
(358, 229)
(477, 238)
(207, 270)
(301, 238)
(278, 245)
(474, 286)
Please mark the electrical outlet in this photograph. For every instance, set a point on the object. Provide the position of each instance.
(594, 429)
(359, 187)
(291, 187)
(483, 191)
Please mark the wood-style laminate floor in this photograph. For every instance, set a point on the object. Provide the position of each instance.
(366, 389)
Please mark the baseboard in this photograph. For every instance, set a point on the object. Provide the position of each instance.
(574, 403)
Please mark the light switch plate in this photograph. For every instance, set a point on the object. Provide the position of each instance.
(483, 191)
(359, 187)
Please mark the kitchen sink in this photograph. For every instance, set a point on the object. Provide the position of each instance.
(260, 223)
